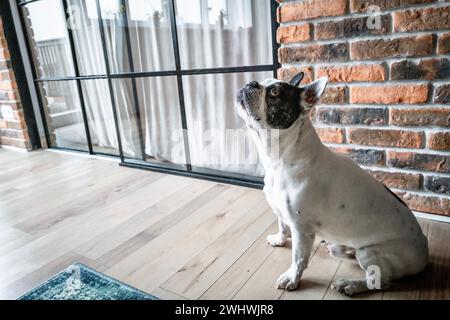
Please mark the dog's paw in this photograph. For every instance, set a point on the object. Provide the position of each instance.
(288, 280)
(276, 240)
(349, 287)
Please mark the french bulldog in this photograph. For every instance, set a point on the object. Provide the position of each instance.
(316, 192)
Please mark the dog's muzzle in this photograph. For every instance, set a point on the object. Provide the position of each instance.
(247, 91)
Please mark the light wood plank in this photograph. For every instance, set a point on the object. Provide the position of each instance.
(153, 264)
(159, 217)
(163, 294)
(262, 284)
(61, 176)
(141, 239)
(194, 278)
(316, 278)
(173, 236)
(11, 239)
(36, 165)
(435, 282)
(228, 285)
(100, 187)
(73, 233)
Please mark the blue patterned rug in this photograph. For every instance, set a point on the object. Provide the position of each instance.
(79, 282)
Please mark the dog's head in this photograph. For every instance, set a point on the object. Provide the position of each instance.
(275, 104)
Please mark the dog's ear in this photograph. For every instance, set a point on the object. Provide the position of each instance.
(295, 81)
(312, 92)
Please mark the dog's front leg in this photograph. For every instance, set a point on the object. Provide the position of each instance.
(279, 239)
(302, 243)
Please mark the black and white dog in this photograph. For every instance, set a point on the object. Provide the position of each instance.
(315, 192)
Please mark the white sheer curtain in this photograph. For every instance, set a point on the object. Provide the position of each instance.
(239, 37)
(88, 48)
(211, 34)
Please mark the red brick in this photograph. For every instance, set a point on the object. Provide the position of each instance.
(8, 96)
(425, 69)
(3, 43)
(14, 134)
(420, 117)
(362, 5)
(334, 95)
(5, 65)
(4, 54)
(292, 34)
(331, 135)
(362, 72)
(6, 75)
(442, 94)
(419, 161)
(351, 27)
(367, 157)
(311, 9)
(389, 94)
(3, 124)
(422, 19)
(16, 125)
(286, 74)
(314, 53)
(18, 143)
(439, 141)
(8, 85)
(16, 106)
(437, 184)
(386, 138)
(416, 202)
(443, 45)
(385, 48)
(346, 115)
(399, 180)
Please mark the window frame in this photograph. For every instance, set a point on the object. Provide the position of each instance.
(187, 169)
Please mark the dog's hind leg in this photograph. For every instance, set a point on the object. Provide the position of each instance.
(378, 273)
(279, 239)
(374, 281)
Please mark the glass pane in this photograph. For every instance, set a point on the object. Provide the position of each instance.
(100, 116)
(126, 111)
(217, 137)
(149, 32)
(83, 23)
(224, 33)
(160, 118)
(48, 38)
(113, 24)
(150, 35)
(63, 112)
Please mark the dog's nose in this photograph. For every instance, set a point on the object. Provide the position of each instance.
(254, 85)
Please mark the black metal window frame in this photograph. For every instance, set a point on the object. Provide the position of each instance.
(184, 170)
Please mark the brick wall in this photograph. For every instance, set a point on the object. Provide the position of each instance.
(387, 104)
(13, 130)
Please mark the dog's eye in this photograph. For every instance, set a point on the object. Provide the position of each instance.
(274, 92)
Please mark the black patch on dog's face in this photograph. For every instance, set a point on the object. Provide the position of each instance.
(283, 105)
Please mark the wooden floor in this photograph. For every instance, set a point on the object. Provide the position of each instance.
(174, 237)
